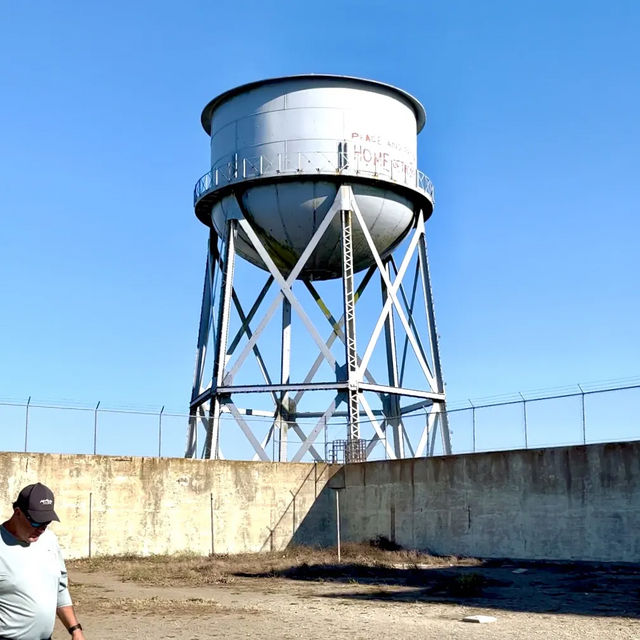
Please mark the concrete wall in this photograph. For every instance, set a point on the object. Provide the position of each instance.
(128, 505)
(579, 503)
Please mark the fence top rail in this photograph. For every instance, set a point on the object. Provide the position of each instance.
(94, 409)
(522, 399)
(472, 406)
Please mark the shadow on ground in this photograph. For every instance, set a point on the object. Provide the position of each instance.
(582, 589)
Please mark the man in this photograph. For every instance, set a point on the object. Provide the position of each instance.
(33, 578)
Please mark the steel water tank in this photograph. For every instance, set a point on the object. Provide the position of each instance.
(280, 150)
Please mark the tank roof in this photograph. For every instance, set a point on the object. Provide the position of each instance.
(414, 103)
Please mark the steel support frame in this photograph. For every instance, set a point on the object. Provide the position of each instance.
(439, 411)
(196, 408)
(391, 402)
(351, 351)
(355, 379)
(222, 333)
(284, 413)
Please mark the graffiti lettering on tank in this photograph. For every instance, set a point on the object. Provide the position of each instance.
(382, 154)
(380, 141)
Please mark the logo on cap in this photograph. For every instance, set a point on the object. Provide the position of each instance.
(46, 501)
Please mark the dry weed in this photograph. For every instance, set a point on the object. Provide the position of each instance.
(359, 560)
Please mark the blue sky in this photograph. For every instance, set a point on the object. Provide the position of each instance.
(532, 141)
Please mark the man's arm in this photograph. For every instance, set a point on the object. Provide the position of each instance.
(68, 618)
(64, 607)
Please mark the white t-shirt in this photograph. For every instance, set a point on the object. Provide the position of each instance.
(33, 584)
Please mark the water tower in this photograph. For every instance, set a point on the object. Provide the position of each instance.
(314, 184)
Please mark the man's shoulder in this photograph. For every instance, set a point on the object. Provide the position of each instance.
(7, 539)
(49, 538)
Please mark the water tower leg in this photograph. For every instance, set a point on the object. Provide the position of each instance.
(204, 330)
(440, 420)
(433, 340)
(219, 362)
(351, 352)
(190, 450)
(285, 369)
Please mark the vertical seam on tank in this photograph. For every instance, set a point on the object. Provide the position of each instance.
(282, 220)
(235, 135)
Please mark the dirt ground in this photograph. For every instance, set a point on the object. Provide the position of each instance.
(307, 594)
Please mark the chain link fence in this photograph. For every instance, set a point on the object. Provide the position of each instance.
(582, 414)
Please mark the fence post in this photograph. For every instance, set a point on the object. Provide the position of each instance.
(90, 510)
(26, 425)
(338, 522)
(584, 420)
(95, 428)
(160, 432)
(524, 414)
(473, 426)
(213, 540)
(426, 427)
(293, 512)
(324, 422)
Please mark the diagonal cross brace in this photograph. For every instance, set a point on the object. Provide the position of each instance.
(286, 286)
(392, 299)
(409, 305)
(381, 436)
(246, 429)
(304, 447)
(337, 331)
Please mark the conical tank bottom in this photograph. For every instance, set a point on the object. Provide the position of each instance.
(285, 216)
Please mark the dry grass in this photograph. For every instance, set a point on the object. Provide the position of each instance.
(96, 599)
(190, 606)
(298, 562)
(120, 605)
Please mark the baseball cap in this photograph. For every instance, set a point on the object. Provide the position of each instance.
(37, 501)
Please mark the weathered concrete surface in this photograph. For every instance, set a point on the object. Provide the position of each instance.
(569, 503)
(129, 505)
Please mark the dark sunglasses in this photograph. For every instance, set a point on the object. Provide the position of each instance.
(33, 523)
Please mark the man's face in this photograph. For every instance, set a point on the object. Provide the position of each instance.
(24, 527)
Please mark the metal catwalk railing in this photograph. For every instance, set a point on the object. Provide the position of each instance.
(237, 167)
(582, 414)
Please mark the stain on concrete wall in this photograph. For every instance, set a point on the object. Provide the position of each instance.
(128, 505)
(566, 503)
